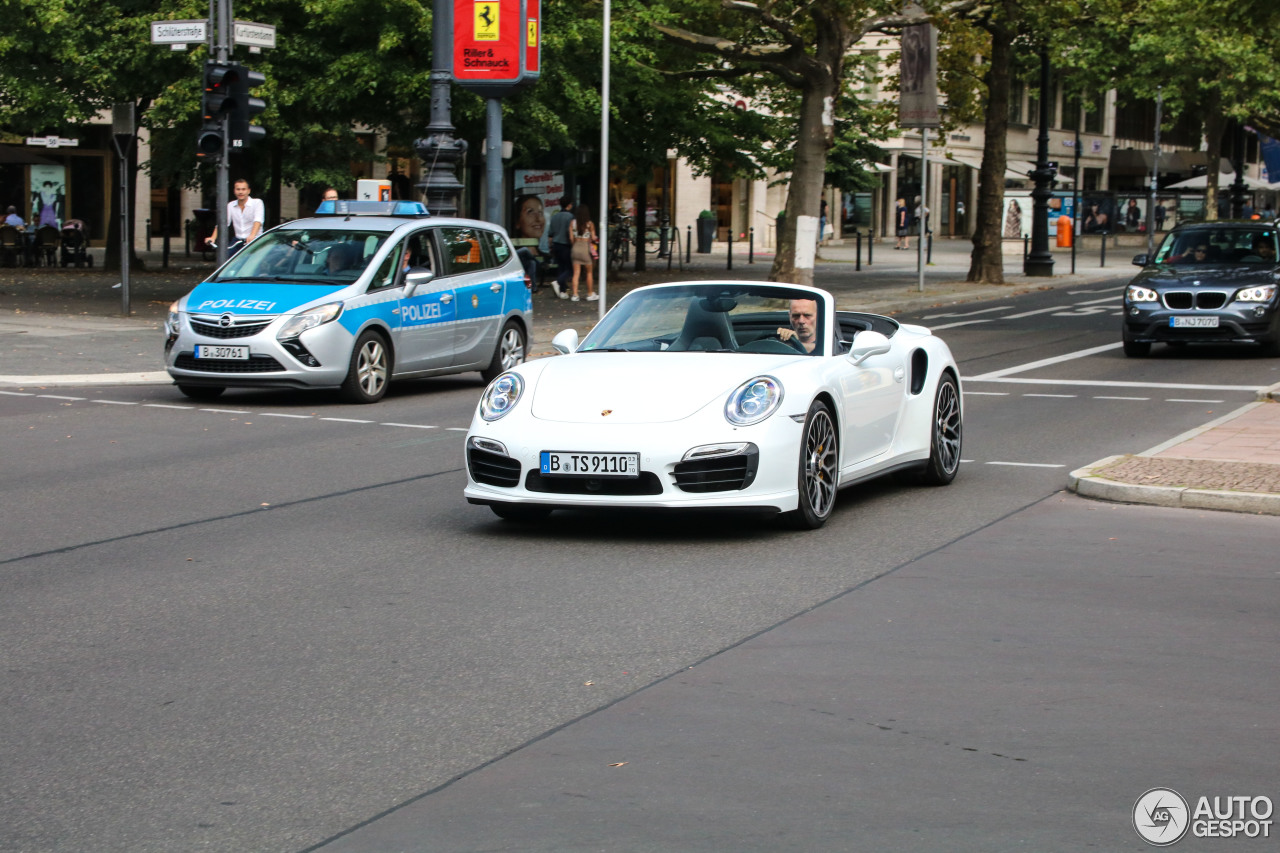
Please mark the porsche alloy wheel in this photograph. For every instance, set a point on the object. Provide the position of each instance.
(366, 380)
(948, 434)
(818, 469)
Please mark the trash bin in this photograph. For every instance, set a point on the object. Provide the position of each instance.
(706, 234)
(1064, 232)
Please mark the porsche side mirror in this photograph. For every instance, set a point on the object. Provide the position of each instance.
(1140, 260)
(566, 341)
(867, 344)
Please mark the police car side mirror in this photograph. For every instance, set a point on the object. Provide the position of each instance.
(415, 278)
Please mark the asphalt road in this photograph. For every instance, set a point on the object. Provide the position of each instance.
(261, 623)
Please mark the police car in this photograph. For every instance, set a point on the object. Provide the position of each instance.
(360, 294)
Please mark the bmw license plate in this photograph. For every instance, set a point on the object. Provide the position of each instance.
(563, 463)
(1193, 322)
(221, 352)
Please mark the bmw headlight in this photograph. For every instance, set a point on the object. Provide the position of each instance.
(501, 396)
(1262, 293)
(753, 401)
(299, 323)
(174, 321)
(1138, 293)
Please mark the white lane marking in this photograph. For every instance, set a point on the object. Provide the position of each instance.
(1090, 292)
(228, 411)
(409, 426)
(1098, 383)
(968, 393)
(1059, 396)
(284, 415)
(18, 393)
(969, 313)
(1184, 400)
(114, 402)
(456, 429)
(346, 420)
(1101, 397)
(957, 324)
(1028, 464)
(59, 397)
(167, 406)
(1046, 362)
(1110, 298)
(1037, 311)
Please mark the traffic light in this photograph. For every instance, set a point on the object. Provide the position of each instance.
(241, 106)
(213, 106)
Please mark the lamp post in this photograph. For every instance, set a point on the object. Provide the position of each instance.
(1040, 262)
(439, 149)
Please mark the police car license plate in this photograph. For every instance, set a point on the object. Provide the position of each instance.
(561, 463)
(1193, 322)
(221, 352)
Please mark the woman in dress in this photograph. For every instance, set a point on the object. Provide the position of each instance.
(583, 235)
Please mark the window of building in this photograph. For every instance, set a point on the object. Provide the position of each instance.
(1093, 115)
(1017, 91)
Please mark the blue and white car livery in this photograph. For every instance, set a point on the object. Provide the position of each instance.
(358, 295)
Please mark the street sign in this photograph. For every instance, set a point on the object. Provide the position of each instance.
(178, 32)
(496, 45)
(254, 35)
(53, 142)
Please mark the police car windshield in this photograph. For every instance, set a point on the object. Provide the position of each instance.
(304, 256)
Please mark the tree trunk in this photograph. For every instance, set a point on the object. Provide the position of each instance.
(986, 264)
(1215, 125)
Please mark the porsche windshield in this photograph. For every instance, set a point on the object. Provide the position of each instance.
(304, 257)
(1224, 244)
(736, 318)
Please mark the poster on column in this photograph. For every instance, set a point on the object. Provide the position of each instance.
(48, 195)
(537, 196)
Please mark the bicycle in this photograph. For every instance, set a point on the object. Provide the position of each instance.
(619, 242)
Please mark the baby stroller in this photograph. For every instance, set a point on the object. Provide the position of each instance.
(75, 243)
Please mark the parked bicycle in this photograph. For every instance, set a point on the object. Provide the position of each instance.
(619, 241)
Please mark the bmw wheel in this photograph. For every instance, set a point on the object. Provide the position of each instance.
(370, 368)
(817, 470)
(509, 352)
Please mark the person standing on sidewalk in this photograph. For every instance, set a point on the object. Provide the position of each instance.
(902, 224)
(245, 216)
(584, 235)
(562, 245)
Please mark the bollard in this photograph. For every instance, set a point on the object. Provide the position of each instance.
(857, 255)
(1104, 249)
(729, 254)
(186, 238)
(675, 238)
(751, 245)
(928, 255)
(148, 233)
(1026, 248)
(871, 241)
(688, 244)
(164, 263)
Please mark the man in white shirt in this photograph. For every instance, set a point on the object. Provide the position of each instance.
(245, 215)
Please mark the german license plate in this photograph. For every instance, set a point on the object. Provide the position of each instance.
(563, 463)
(221, 352)
(1193, 322)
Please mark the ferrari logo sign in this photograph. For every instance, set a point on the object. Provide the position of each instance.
(487, 20)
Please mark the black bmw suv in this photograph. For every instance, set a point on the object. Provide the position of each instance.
(1209, 282)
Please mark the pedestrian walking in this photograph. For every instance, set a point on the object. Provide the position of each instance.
(562, 246)
(584, 237)
(902, 224)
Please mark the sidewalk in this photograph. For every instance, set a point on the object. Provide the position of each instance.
(63, 327)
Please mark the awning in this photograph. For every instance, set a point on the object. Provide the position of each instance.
(13, 155)
(1201, 182)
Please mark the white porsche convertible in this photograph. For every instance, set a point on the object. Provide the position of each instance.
(729, 394)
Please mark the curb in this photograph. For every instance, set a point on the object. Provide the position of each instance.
(1085, 483)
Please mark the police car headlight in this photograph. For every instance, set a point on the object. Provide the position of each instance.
(501, 396)
(174, 320)
(299, 323)
(753, 401)
(1256, 294)
(1138, 293)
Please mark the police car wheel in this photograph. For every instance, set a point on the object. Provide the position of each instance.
(366, 380)
(201, 392)
(509, 352)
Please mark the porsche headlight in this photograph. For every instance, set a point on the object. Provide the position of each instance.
(753, 401)
(501, 396)
(1138, 293)
(1262, 293)
(174, 321)
(299, 323)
